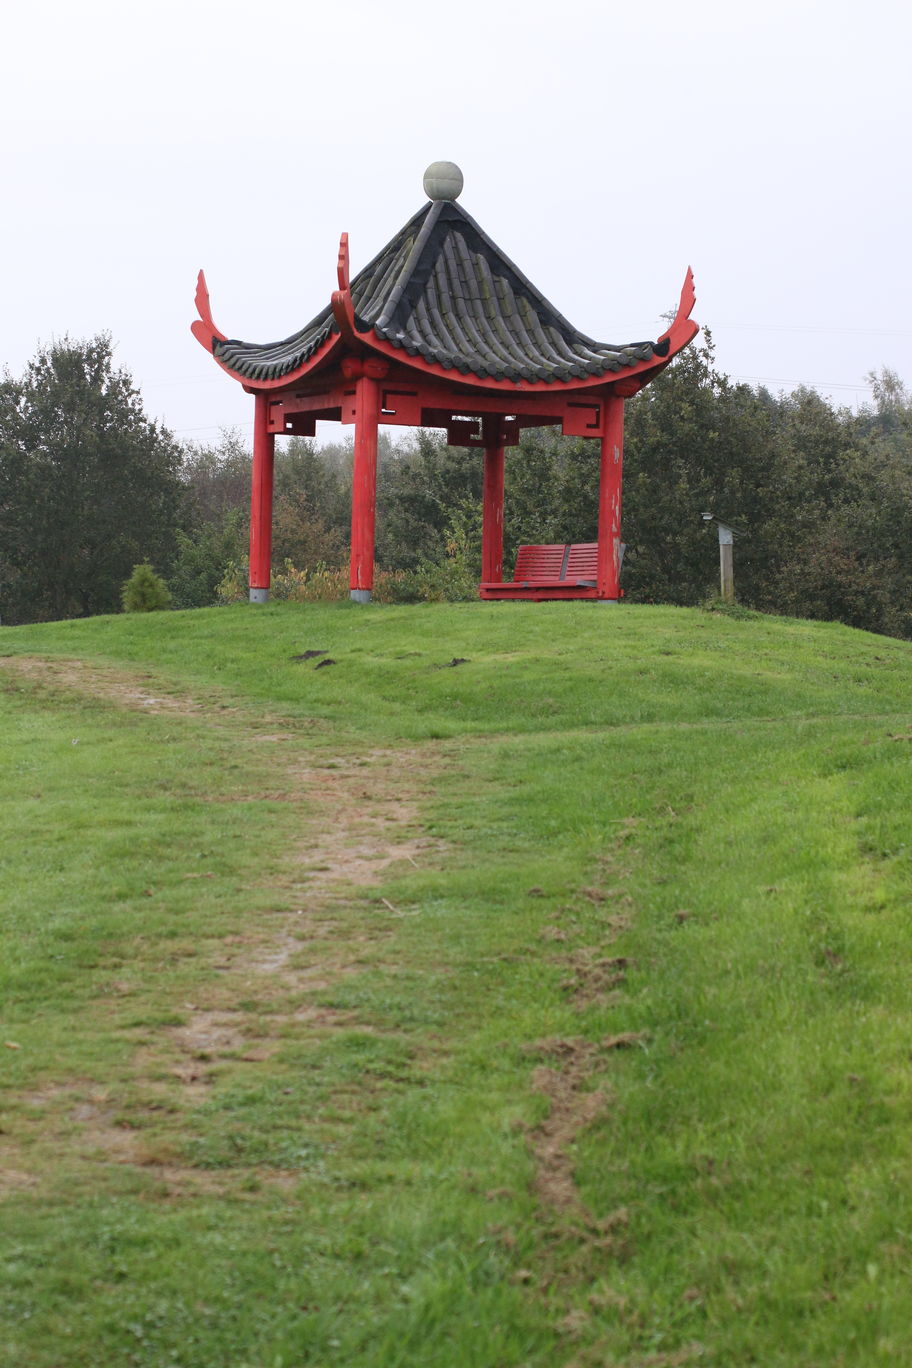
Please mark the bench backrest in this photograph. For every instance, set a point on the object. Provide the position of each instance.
(539, 563)
(560, 562)
(582, 562)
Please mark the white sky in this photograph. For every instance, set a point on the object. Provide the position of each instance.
(605, 147)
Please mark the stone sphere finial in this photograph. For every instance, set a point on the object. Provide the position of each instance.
(443, 181)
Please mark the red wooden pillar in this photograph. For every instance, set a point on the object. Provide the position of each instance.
(609, 522)
(364, 487)
(261, 504)
(492, 502)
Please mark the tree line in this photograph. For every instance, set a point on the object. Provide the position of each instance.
(90, 486)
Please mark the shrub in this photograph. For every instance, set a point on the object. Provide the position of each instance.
(432, 582)
(446, 582)
(232, 587)
(202, 558)
(144, 591)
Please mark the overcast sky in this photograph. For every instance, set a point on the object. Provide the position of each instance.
(604, 148)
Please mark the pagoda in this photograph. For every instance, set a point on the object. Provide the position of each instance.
(442, 330)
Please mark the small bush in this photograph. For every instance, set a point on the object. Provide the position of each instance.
(322, 584)
(144, 591)
(202, 558)
(445, 582)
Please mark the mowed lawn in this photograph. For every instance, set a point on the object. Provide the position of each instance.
(501, 984)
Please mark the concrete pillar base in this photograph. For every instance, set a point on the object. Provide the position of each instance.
(360, 596)
(612, 601)
(259, 596)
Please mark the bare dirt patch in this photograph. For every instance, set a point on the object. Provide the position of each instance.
(16, 1180)
(284, 959)
(579, 1242)
(361, 821)
(106, 682)
(573, 1106)
(367, 819)
(78, 1120)
(594, 979)
(209, 1035)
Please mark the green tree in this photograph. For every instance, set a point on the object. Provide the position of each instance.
(144, 591)
(892, 413)
(216, 480)
(550, 490)
(312, 511)
(422, 484)
(214, 518)
(88, 484)
(202, 558)
(846, 553)
(694, 443)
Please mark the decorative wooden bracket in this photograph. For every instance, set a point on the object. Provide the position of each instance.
(374, 367)
(342, 306)
(626, 389)
(483, 430)
(203, 328)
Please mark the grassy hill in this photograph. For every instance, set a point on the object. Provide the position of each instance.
(503, 984)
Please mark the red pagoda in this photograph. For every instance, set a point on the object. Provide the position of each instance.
(442, 330)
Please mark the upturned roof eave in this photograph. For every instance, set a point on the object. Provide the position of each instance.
(336, 347)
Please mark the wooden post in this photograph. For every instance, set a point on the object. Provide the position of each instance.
(364, 488)
(492, 501)
(609, 521)
(726, 562)
(261, 504)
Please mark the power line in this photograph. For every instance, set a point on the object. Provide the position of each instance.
(182, 380)
(813, 328)
(802, 384)
(212, 427)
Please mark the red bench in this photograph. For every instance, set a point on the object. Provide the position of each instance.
(550, 572)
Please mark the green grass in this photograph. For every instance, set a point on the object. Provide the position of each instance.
(346, 1160)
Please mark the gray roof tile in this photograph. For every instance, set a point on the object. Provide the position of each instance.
(441, 290)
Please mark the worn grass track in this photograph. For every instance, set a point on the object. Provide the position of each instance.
(549, 1008)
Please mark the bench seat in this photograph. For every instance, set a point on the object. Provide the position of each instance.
(564, 570)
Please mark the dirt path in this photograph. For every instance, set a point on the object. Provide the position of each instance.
(123, 688)
(361, 809)
(359, 820)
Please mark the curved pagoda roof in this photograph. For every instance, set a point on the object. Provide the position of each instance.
(441, 295)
